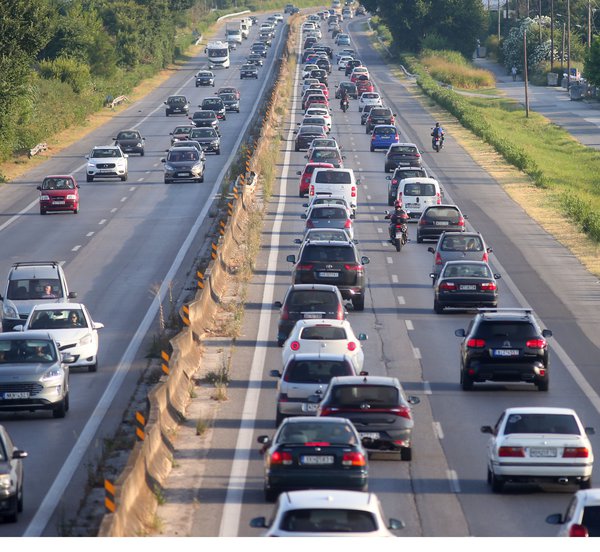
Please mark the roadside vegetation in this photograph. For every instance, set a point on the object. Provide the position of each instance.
(453, 68)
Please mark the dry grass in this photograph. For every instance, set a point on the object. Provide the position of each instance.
(457, 74)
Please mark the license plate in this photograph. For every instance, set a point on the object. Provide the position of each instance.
(309, 407)
(183, 174)
(316, 460)
(329, 274)
(369, 436)
(16, 395)
(58, 202)
(411, 204)
(505, 352)
(441, 222)
(468, 287)
(542, 452)
(313, 315)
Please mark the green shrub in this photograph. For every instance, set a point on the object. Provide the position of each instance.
(71, 71)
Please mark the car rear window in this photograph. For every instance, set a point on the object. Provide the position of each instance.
(380, 112)
(591, 520)
(409, 173)
(313, 300)
(325, 156)
(467, 271)
(404, 149)
(336, 213)
(323, 331)
(445, 213)
(321, 254)
(542, 423)
(316, 371)
(317, 432)
(461, 243)
(375, 396)
(333, 177)
(419, 189)
(386, 131)
(510, 330)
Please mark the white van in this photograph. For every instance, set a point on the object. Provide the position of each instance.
(335, 183)
(419, 193)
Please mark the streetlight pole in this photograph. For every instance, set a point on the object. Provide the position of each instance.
(525, 73)
(540, 18)
(498, 21)
(552, 36)
(568, 45)
(589, 40)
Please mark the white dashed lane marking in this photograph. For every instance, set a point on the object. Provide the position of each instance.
(389, 260)
(76, 248)
(409, 325)
(89, 234)
(103, 221)
(437, 428)
(394, 278)
(417, 353)
(401, 300)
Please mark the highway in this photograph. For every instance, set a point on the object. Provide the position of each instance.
(129, 243)
(443, 491)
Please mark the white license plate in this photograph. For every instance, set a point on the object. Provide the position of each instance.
(441, 222)
(183, 174)
(468, 287)
(58, 202)
(369, 436)
(542, 452)
(105, 171)
(316, 460)
(505, 352)
(411, 205)
(16, 395)
(309, 407)
(329, 274)
(313, 315)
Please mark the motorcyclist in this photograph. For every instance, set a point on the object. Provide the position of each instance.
(399, 216)
(344, 100)
(438, 132)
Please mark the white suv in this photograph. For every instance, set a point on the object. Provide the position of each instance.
(106, 162)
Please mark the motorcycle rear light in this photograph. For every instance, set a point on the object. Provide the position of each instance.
(448, 286)
(353, 459)
(438, 259)
(577, 530)
(305, 266)
(476, 343)
(536, 343)
(294, 345)
(352, 346)
(576, 452)
(348, 224)
(512, 452)
(281, 458)
(488, 286)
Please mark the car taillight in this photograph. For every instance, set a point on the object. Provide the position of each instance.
(397, 138)
(577, 530)
(354, 459)
(305, 267)
(311, 191)
(576, 452)
(279, 458)
(310, 224)
(536, 343)
(439, 199)
(285, 313)
(461, 221)
(417, 155)
(438, 259)
(348, 223)
(354, 267)
(448, 286)
(488, 286)
(422, 222)
(395, 181)
(352, 346)
(476, 343)
(328, 411)
(403, 412)
(353, 191)
(295, 345)
(516, 452)
(339, 315)
(485, 257)
(372, 137)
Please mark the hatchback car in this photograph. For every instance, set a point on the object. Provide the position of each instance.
(308, 453)
(183, 164)
(582, 516)
(359, 73)
(351, 65)
(308, 301)
(208, 138)
(468, 246)
(364, 86)
(437, 219)
(181, 132)
(319, 111)
(343, 61)
(379, 116)
(402, 155)
(537, 445)
(377, 408)
(229, 90)
(59, 193)
(215, 104)
(11, 477)
(400, 173)
(314, 120)
(130, 141)
(249, 71)
(306, 174)
(231, 102)
(177, 104)
(504, 345)
(205, 78)
(255, 59)
(205, 118)
(331, 156)
(369, 98)
(306, 134)
(384, 136)
(106, 162)
(329, 216)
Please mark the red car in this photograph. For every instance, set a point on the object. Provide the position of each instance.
(59, 193)
(306, 175)
(364, 86)
(324, 89)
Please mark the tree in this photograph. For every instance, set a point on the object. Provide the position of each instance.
(592, 63)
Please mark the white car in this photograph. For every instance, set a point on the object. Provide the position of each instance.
(106, 162)
(308, 68)
(582, 516)
(332, 337)
(72, 327)
(327, 513)
(319, 112)
(307, 84)
(536, 444)
(342, 62)
(369, 98)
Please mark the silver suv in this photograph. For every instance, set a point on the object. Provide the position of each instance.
(31, 283)
(468, 246)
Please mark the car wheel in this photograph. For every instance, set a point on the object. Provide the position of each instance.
(387, 168)
(358, 303)
(76, 210)
(439, 309)
(496, 482)
(543, 384)
(167, 113)
(142, 153)
(93, 367)
(224, 118)
(271, 495)
(168, 180)
(372, 149)
(60, 410)
(419, 239)
(366, 130)
(124, 178)
(89, 178)
(20, 499)
(465, 381)
(585, 483)
(12, 517)
(296, 148)
(279, 417)
(218, 151)
(42, 211)
(406, 454)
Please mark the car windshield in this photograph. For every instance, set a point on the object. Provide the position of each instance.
(467, 270)
(209, 75)
(105, 152)
(13, 351)
(204, 115)
(408, 173)
(229, 97)
(336, 254)
(542, 423)
(325, 156)
(58, 183)
(458, 243)
(353, 396)
(370, 96)
(204, 133)
(212, 103)
(177, 100)
(315, 371)
(128, 135)
(23, 290)
(315, 432)
(180, 156)
(182, 130)
(57, 319)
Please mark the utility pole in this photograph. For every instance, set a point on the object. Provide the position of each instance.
(525, 73)
(498, 21)
(589, 40)
(568, 45)
(552, 36)
(540, 18)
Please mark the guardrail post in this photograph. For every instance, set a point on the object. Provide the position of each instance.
(109, 496)
(200, 277)
(185, 315)
(165, 364)
(140, 424)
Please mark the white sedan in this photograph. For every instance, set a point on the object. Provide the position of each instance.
(72, 327)
(327, 514)
(319, 112)
(331, 337)
(537, 444)
(582, 516)
(369, 98)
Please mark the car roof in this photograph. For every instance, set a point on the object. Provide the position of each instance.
(425, 179)
(366, 380)
(34, 270)
(540, 410)
(589, 497)
(322, 322)
(313, 419)
(329, 499)
(29, 334)
(300, 357)
(384, 126)
(505, 314)
(60, 175)
(55, 306)
(308, 287)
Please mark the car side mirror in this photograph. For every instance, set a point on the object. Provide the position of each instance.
(278, 304)
(72, 295)
(363, 337)
(296, 132)
(163, 160)
(263, 440)
(547, 333)
(98, 325)
(87, 156)
(590, 431)
(303, 216)
(497, 276)
(258, 522)
(459, 333)
(39, 187)
(395, 524)
(487, 429)
(343, 157)
(291, 258)
(466, 217)
(68, 358)
(388, 177)
(19, 454)
(314, 399)
(431, 250)
(489, 250)
(275, 373)
(365, 260)
(412, 399)
(555, 519)
(299, 173)
(432, 275)
(298, 241)
(165, 103)
(18, 328)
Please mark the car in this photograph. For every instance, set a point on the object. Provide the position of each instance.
(324, 64)
(256, 59)
(72, 327)
(30, 283)
(11, 477)
(314, 120)
(259, 48)
(419, 193)
(231, 102)
(308, 69)
(320, 75)
(328, 336)
(215, 104)
(326, 49)
(308, 453)
(349, 52)
(229, 90)
(34, 375)
(342, 39)
(335, 263)
(342, 62)
(177, 104)
(504, 345)
(464, 285)
(437, 219)
(383, 136)
(306, 174)
(324, 234)
(307, 83)
(323, 143)
(205, 78)
(183, 164)
(582, 516)
(106, 162)
(130, 141)
(310, 301)
(59, 193)
(326, 155)
(308, 42)
(312, 96)
(248, 72)
(536, 445)
(205, 118)
(379, 116)
(305, 375)
(359, 72)
(329, 216)
(189, 144)
(208, 138)
(467, 246)
(402, 154)
(377, 408)
(350, 88)
(365, 113)
(306, 134)
(322, 87)
(400, 173)
(181, 132)
(329, 200)
(364, 86)
(319, 112)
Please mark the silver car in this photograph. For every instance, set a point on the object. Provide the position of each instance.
(329, 216)
(451, 246)
(34, 375)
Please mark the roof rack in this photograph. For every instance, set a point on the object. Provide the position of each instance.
(36, 263)
(527, 310)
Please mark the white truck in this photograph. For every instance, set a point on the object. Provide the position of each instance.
(218, 54)
(233, 32)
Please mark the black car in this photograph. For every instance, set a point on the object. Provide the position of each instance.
(231, 102)
(306, 134)
(379, 116)
(130, 141)
(326, 49)
(266, 38)
(377, 408)
(308, 453)
(249, 72)
(183, 164)
(205, 118)
(504, 345)
(333, 263)
(205, 78)
(189, 144)
(351, 65)
(402, 155)
(308, 301)
(309, 41)
(11, 468)
(437, 219)
(323, 63)
(259, 48)
(399, 174)
(208, 138)
(350, 88)
(177, 104)
(214, 104)
(255, 59)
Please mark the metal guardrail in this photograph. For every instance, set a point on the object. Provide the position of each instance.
(117, 101)
(43, 146)
(232, 15)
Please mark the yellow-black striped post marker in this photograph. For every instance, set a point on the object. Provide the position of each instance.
(230, 208)
(140, 424)
(165, 363)
(185, 315)
(109, 496)
(222, 228)
(200, 277)
(213, 253)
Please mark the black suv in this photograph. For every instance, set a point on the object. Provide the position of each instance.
(208, 138)
(177, 104)
(205, 118)
(307, 301)
(399, 174)
(336, 263)
(379, 116)
(402, 155)
(248, 72)
(504, 345)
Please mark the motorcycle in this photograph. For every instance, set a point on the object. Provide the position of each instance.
(398, 233)
(437, 142)
(344, 104)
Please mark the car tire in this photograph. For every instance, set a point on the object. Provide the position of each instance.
(438, 309)
(76, 210)
(390, 201)
(168, 181)
(166, 113)
(585, 483)
(296, 148)
(93, 367)
(270, 495)
(372, 149)
(42, 211)
(20, 499)
(279, 417)
(124, 178)
(89, 178)
(406, 454)
(466, 382)
(419, 239)
(60, 411)
(142, 153)
(218, 151)
(497, 483)
(544, 384)
(12, 516)
(387, 168)
(358, 303)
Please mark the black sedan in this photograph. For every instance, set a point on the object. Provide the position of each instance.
(205, 118)
(306, 134)
(231, 102)
(309, 453)
(255, 59)
(215, 104)
(130, 141)
(208, 138)
(184, 164)
(11, 477)
(205, 78)
(465, 285)
(248, 72)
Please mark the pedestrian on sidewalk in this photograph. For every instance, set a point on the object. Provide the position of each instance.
(514, 73)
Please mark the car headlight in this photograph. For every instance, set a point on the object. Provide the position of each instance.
(91, 165)
(45, 198)
(9, 310)
(214, 143)
(169, 167)
(5, 481)
(138, 145)
(72, 197)
(53, 374)
(85, 340)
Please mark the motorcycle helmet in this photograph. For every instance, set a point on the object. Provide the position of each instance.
(398, 204)
(437, 124)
